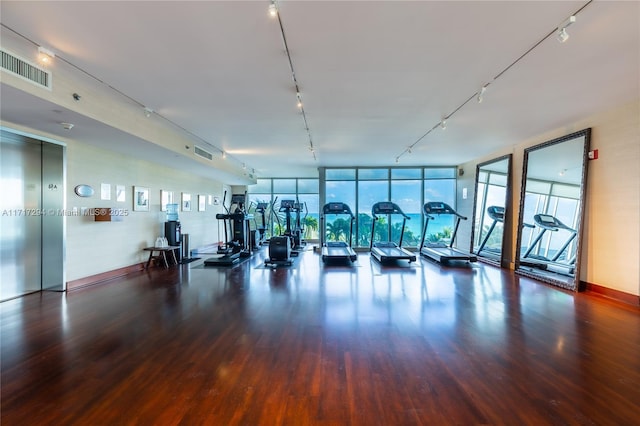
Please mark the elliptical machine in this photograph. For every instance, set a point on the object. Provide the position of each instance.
(261, 236)
(239, 245)
(294, 232)
(298, 229)
(280, 247)
(230, 249)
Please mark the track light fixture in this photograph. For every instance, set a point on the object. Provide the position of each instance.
(45, 56)
(562, 29)
(273, 9)
(147, 112)
(481, 93)
(562, 36)
(224, 154)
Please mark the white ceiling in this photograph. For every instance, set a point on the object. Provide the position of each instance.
(374, 75)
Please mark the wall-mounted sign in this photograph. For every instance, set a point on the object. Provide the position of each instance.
(83, 191)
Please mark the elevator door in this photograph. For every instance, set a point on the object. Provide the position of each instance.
(31, 216)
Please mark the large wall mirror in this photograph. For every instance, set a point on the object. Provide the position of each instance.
(492, 189)
(551, 210)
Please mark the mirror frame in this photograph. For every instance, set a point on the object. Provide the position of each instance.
(507, 203)
(575, 285)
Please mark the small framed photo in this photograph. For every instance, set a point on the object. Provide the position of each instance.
(186, 202)
(202, 202)
(140, 199)
(166, 197)
(120, 194)
(105, 191)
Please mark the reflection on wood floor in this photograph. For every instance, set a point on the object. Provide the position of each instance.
(315, 344)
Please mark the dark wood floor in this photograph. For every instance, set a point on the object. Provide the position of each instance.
(312, 344)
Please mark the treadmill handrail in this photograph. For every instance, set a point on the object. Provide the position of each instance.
(551, 226)
(438, 208)
(344, 209)
(386, 208)
(496, 213)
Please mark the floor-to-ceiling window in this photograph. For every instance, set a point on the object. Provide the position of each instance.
(339, 186)
(440, 185)
(409, 188)
(406, 189)
(559, 200)
(492, 191)
(308, 197)
(300, 190)
(373, 187)
(360, 189)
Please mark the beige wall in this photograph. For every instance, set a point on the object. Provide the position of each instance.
(611, 233)
(95, 247)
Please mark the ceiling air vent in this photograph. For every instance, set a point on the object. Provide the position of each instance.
(24, 69)
(202, 153)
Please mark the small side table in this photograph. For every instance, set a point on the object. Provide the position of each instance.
(161, 254)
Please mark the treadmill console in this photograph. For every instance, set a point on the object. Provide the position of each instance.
(335, 207)
(496, 213)
(287, 204)
(547, 219)
(435, 207)
(237, 199)
(261, 206)
(384, 208)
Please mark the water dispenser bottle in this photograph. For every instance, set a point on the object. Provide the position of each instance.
(172, 212)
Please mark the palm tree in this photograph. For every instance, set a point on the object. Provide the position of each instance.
(445, 235)
(310, 225)
(408, 239)
(338, 230)
(364, 229)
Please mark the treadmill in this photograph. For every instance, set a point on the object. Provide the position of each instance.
(551, 223)
(337, 250)
(497, 214)
(441, 252)
(388, 251)
(533, 261)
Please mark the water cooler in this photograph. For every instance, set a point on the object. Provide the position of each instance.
(172, 229)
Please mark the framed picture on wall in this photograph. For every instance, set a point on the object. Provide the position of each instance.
(166, 197)
(186, 202)
(202, 201)
(120, 194)
(140, 199)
